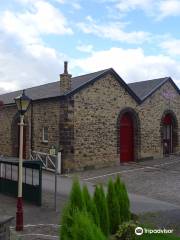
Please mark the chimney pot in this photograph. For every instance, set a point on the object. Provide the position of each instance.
(65, 79)
(65, 67)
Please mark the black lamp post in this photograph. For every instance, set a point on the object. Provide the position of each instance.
(22, 103)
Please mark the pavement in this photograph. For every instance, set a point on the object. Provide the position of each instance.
(153, 187)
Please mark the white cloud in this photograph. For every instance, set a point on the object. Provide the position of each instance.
(128, 5)
(113, 31)
(29, 26)
(85, 48)
(158, 9)
(171, 46)
(19, 69)
(169, 8)
(131, 64)
(76, 5)
(25, 59)
(43, 18)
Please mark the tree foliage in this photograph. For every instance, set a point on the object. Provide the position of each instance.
(101, 205)
(113, 208)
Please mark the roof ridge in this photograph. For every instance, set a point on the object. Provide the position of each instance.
(45, 84)
(164, 78)
(155, 88)
(92, 73)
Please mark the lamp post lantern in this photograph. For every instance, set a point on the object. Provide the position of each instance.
(22, 103)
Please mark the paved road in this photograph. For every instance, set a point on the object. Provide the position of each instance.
(164, 209)
(152, 186)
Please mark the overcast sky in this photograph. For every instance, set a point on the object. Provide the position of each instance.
(140, 39)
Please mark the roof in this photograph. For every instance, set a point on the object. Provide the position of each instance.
(50, 89)
(145, 88)
(138, 90)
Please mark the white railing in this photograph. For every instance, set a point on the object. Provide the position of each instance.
(50, 162)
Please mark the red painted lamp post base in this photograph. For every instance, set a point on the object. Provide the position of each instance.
(19, 215)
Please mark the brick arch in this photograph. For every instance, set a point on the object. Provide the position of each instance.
(137, 134)
(15, 136)
(174, 130)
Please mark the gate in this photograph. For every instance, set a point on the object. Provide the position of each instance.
(32, 179)
(50, 162)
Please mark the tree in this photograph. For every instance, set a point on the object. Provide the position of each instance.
(74, 204)
(101, 205)
(84, 228)
(90, 205)
(76, 197)
(113, 208)
(123, 200)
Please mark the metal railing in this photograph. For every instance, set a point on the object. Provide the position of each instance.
(50, 162)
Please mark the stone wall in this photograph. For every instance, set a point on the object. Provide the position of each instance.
(151, 113)
(41, 114)
(6, 117)
(96, 115)
(45, 114)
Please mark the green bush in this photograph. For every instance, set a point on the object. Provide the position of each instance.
(101, 205)
(84, 228)
(113, 208)
(126, 231)
(67, 221)
(123, 199)
(90, 205)
(76, 197)
(75, 203)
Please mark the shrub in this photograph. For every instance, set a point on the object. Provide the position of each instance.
(126, 231)
(76, 197)
(113, 208)
(123, 200)
(127, 214)
(101, 205)
(67, 221)
(90, 205)
(75, 203)
(84, 228)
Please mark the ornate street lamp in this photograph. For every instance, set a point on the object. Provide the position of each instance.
(22, 103)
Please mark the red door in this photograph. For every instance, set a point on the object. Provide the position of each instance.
(167, 134)
(126, 138)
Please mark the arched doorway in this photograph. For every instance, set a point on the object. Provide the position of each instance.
(126, 138)
(168, 134)
(15, 131)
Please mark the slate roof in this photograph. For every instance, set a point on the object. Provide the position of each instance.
(138, 90)
(144, 88)
(50, 89)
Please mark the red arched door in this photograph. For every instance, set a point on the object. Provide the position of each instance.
(126, 138)
(167, 134)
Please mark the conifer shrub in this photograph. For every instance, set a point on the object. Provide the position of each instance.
(123, 200)
(101, 205)
(84, 228)
(74, 204)
(90, 205)
(67, 221)
(76, 197)
(127, 215)
(113, 208)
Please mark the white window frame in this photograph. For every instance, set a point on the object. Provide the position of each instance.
(45, 134)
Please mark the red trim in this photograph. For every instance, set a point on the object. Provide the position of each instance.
(19, 215)
(167, 119)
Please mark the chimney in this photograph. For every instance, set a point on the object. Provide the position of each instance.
(65, 79)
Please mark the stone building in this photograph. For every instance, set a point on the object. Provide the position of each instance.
(95, 120)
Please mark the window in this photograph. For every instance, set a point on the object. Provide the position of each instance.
(45, 134)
